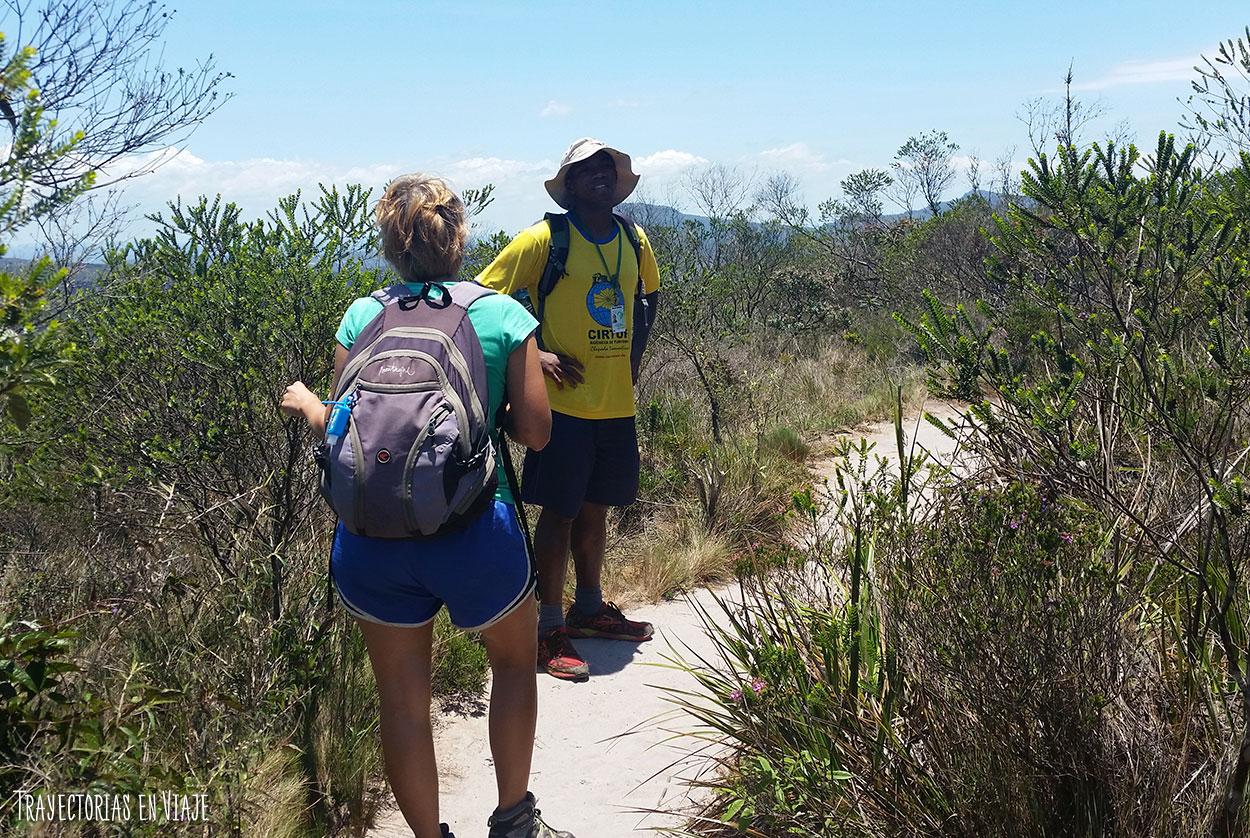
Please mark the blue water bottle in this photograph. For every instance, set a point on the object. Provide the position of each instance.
(339, 416)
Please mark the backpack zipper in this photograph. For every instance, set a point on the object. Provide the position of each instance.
(436, 418)
(358, 484)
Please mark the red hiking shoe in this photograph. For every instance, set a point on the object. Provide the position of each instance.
(609, 623)
(558, 658)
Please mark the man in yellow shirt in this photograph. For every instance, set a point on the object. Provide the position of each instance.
(586, 334)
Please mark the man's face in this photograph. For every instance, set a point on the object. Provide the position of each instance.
(592, 182)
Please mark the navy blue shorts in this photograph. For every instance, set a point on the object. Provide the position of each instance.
(481, 573)
(587, 460)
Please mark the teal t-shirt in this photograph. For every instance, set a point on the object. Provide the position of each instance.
(502, 324)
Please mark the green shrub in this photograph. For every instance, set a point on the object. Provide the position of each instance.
(178, 511)
(460, 662)
(980, 665)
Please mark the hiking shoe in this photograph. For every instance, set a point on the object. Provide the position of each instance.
(523, 821)
(558, 658)
(446, 830)
(609, 624)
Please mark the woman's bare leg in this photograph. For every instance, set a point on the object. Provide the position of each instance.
(512, 645)
(401, 665)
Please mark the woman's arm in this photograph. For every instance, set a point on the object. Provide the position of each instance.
(298, 400)
(528, 419)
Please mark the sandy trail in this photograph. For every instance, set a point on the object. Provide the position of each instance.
(600, 753)
(605, 751)
(919, 436)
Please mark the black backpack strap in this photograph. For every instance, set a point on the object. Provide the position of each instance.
(514, 485)
(644, 304)
(557, 253)
(556, 267)
(505, 453)
(635, 241)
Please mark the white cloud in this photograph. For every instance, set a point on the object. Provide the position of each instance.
(626, 103)
(667, 162)
(254, 184)
(800, 156)
(475, 171)
(555, 108)
(1143, 72)
(963, 162)
(257, 184)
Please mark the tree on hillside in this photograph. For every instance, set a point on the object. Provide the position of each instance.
(82, 89)
(924, 165)
(974, 173)
(105, 90)
(729, 279)
(97, 66)
(848, 237)
(29, 349)
(1220, 104)
(863, 191)
(1067, 121)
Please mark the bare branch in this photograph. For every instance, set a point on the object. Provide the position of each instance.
(100, 74)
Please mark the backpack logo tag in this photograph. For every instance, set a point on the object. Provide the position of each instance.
(394, 368)
(384, 456)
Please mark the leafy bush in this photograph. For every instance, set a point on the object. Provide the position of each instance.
(1053, 643)
(165, 497)
(1135, 402)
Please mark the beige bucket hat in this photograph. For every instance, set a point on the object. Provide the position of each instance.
(584, 149)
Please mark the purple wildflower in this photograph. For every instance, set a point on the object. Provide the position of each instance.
(758, 685)
(736, 695)
(1066, 537)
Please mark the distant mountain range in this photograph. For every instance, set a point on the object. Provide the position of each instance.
(648, 215)
(86, 276)
(666, 216)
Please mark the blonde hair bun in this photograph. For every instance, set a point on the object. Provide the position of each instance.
(423, 227)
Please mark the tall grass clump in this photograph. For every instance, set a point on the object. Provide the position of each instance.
(1051, 639)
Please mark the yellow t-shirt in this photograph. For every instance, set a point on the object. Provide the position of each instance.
(577, 319)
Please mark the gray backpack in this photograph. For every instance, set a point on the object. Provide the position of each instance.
(416, 459)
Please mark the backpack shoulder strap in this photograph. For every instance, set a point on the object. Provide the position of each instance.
(631, 232)
(557, 253)
(391, 293)
(557, 265)
(466, 292)
(635, 241)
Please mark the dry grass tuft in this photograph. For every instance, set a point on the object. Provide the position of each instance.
(677, 555)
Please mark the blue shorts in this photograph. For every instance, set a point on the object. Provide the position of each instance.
(481, 573)
(587, 460)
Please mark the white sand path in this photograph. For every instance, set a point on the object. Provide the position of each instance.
(605, 752)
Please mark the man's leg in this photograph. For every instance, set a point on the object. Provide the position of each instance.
(551, 554)
(401, 665)
(555, 479)
(588, 539)
(556, 655)
(590, 616)
(613, 482)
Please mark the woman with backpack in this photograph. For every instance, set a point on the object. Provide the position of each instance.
(471, 555)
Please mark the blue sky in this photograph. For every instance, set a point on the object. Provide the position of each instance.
(494, 91)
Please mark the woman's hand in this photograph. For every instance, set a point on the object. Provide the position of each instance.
(298, 400)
